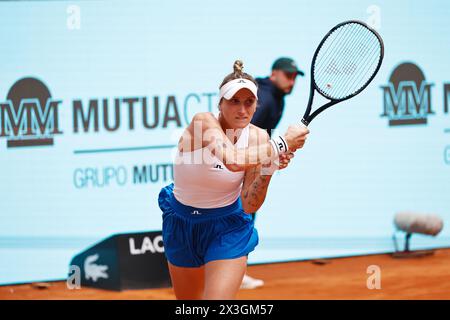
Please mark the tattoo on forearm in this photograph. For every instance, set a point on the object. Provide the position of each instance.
(257, 189)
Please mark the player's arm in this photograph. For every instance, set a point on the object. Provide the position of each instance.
(256, 183)
(205, 131)
(254, 189)
(257, 179)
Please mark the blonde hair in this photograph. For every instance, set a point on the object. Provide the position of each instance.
(237, 73)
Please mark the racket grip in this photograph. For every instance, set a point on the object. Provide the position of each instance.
(305, 122)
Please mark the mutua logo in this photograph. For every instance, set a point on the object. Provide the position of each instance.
(29, 116)
(407, 96)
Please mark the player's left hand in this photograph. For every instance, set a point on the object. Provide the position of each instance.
(279, 164)
(284, 160)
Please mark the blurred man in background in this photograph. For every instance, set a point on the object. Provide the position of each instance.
(271, 93)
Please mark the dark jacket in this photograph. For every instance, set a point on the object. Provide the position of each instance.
(270, 105)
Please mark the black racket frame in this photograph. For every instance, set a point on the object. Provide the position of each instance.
(307, 118)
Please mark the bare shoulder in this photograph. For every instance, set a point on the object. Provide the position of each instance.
(204, 116)
(207, 120)
(257, 135)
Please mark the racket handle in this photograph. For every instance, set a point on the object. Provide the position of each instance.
(305, 122)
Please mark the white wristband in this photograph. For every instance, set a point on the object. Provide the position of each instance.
(280, 145)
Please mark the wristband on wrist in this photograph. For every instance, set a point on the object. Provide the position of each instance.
(280, 145)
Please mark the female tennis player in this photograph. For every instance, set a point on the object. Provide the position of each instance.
(222, 172)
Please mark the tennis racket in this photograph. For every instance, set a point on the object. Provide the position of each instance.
(345, 62)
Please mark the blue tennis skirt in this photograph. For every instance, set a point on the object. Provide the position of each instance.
(193, 236)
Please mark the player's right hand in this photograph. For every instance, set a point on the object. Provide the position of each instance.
(295, 136)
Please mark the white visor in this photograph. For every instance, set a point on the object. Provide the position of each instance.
(229, 89)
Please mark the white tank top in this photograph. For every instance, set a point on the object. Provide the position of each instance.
(207, 183)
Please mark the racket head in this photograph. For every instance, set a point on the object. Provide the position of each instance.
(346, 60)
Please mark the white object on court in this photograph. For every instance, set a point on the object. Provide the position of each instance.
(251, 283)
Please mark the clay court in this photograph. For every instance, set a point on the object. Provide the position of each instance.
(340, 278)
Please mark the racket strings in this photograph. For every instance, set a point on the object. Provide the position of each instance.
(370, 53)
(329, 64)
(352, 83)
(323, 58)
(346, 61)
(343, 65)
(370, 64)
(350, 73)
(339, 37)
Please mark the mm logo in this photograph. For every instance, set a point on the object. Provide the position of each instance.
(29, 116)
(407, 96)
